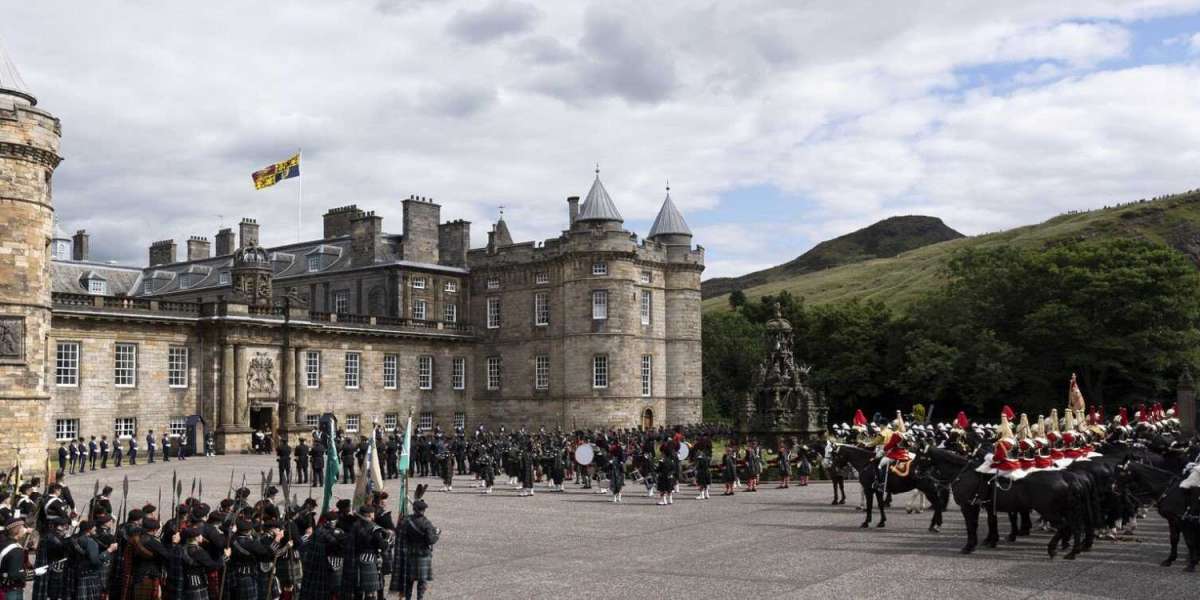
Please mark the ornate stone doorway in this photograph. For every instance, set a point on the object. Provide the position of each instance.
(261, 418)
(647, 420)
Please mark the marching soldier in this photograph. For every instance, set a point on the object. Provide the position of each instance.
(150, 446)
(283, 457)
(166, 447)
(301, 453)
(104, 452)
(93, 452)
(419, 537)
(116, 451)
(89, 562)
(62, 456)
(133, 448)
(73, 454)
(317, 454)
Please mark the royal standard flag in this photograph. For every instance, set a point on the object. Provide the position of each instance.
(277, 172)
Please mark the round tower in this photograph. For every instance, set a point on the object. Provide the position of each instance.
(29, 138)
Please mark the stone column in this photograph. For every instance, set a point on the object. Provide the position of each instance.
(239, 390)
(1185, 403)
(227, 384)
(298, 383)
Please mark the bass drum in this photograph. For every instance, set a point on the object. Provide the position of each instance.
(584, 454)
(683, 451)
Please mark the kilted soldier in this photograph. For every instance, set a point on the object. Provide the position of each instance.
(383, 518)
(321, 560)
(785, 464)
(241, 582)
(616, 470)
(729, 469)
(665, 480)
(121, 574)
(754, 466)
(487, 471)
(703, 459)
(287, 562)
(370, 540)
(272, 539)
(197, 564)
(558, 468)
(149, 558)
(88, 561)
(419, 537)
(52, 554)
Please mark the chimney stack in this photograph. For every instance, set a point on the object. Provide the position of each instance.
(197, 248)
(572, 209)
(337, 221)
(79, 243)
(366, 239)
(225, 245)
(162, 252)
(247, 233)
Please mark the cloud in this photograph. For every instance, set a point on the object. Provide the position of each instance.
(496, 20)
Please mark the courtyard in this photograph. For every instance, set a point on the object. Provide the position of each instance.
(772, 544)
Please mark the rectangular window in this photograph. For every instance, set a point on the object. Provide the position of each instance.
(177, 426)
(647, 306)
(389, 371)
(314, 264)
(125, 427)
(600, 304)
(418, 310)
(493, 312)
(418, 283)
(425, 423)
(312, 421)
(223, 278)
(352, 422)
(66, 364)
(493, 283)
(125, 365)
(312, 369)
(647, 374)
(66, 430)
(493, 372)
(460, 421)
(599, 268)
(450, 313)
(541, 308)
(600, 371)
(425, 372)
(177, 367)
(458, 374)
(390, 420)
(341, 302)
(541, 278)
(451, 287)
(541, 372)
(647, 277)
(97, 287)
(352, 362)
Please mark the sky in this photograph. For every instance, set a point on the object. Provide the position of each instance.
(777, 124)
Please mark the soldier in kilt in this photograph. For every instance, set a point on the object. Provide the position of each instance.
(287, 565)
(369, 542)
(197, 564)
(383, 518)
(399, 559)
(242, 580)
(52, 553)
(88, 561)
(321, 560)
(420, 536)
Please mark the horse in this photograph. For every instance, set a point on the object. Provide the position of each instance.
(864, 461)
(1153, 485)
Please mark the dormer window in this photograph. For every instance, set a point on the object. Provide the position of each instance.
(62, 250)
(223, 278)
(599, 268)
(97, 287)
(314, 264)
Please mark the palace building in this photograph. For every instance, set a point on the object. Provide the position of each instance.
(593, 328)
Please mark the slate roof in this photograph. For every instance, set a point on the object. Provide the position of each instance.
(68, 277)
(669, 220)
(10, 78)
(598, 206)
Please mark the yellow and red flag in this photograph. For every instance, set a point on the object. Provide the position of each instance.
(277, 172)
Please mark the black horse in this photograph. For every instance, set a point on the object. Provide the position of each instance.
(1177, 505)
(864, 461)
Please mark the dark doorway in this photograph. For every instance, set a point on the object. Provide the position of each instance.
(648, 420)
(261, 419)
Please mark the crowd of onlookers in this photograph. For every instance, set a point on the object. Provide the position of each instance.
(80, 455)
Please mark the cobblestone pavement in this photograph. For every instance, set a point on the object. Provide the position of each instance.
(773, 544)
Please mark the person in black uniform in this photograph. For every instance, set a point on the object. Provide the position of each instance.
(347, 460)
(93, 452)
(301, 454)
(419, 537)
(317, 454)
(370, 540)
(73, 454)
(150, 446)
(321, 560)
(88, 562)
(52, 555)
(198, 563)
(702, 453)
(116, 450)
(104, 452)
(460, 454)
(150, 556)
(247, 550)
(616, 470)
(283, 459)
(729, 469)
(12, 558)
(62, 456)
(133, 447)
(166, 447)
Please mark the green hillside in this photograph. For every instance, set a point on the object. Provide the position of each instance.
(1173, 220)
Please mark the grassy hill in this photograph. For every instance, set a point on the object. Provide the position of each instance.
(898, 281)
(884, 239)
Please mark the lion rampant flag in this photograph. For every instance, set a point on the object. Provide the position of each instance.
(1074, 396)
(277, 172)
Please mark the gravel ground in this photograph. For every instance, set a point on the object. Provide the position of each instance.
(772, 544)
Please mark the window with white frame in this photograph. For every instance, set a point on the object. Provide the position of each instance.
(125, 365)
(599, 268)
(177, 367)
(541, 372)
(451, 287)
(493, 312)
(312, 369)
(341, 302)
(125, 427)
(647, 306)
(599, 304)
(541, 278)
(98, 287)
(541, 308)
(352, 364)
(390, 362)
(66, 364)
(425, 422)
(600, 371)
(418, 309)
(312, 421)
(314, 264)
(647, 277)
(177, 426)
(450, 312)
(493, 283)
(352, 422)
(460, 420)
(425, 372)
(493, 372)
(223, 278)
(647, 374)
(390, 421)
(418, 283)
(458, 373)
(66, 430)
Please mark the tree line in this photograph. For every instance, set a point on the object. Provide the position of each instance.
(1008, 326)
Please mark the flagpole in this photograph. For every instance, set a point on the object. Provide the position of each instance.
(300, 202)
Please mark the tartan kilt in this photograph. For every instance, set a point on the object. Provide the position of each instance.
(399, 566)
(147, 588)
(214, 583)
(420, 568)
(368, 577)
(89, 587)
(201, 594)
(241, 587)
(288, 571)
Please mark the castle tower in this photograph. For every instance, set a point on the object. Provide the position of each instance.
(682, 300)
(29, 138)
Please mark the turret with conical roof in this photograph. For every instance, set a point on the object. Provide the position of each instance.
(669, 227)
(11, 84)
(598, 208)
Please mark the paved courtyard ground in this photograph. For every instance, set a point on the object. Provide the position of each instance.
(773, 544)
